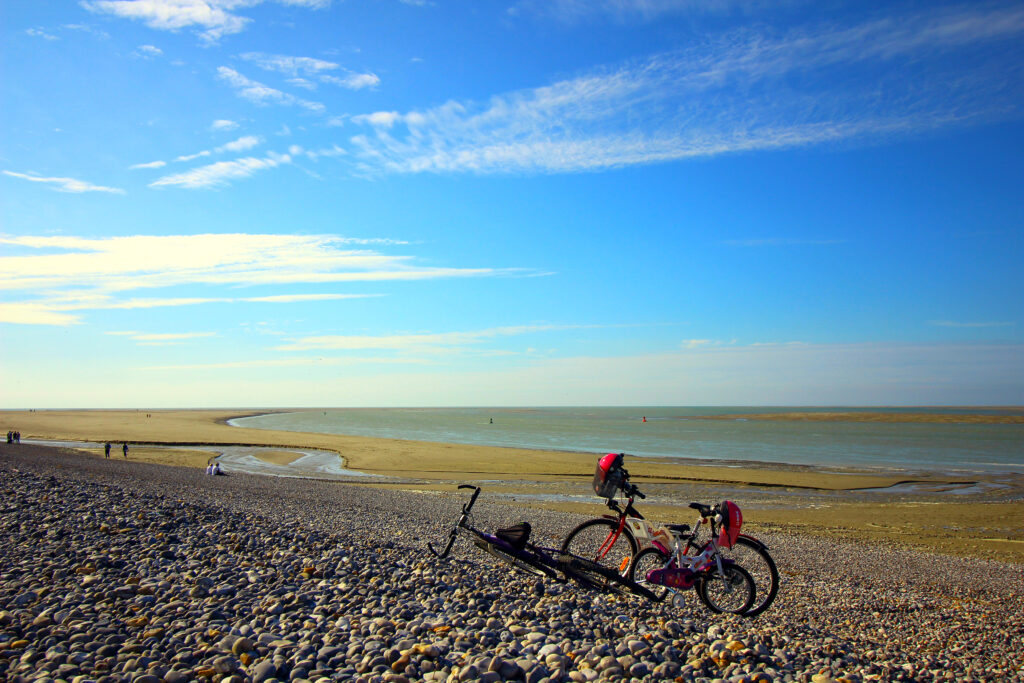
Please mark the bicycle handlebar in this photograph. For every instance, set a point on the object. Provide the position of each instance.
(704, 510)
(444, 553)
(630, 489)
(476, 492)
(466, 508)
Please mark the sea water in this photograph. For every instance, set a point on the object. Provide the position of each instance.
(668, 432)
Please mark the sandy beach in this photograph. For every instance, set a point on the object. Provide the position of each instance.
(977, 516)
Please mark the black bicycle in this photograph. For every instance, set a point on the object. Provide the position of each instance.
(513, 545)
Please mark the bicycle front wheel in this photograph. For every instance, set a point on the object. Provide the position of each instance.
(599, 540)
(753, 556)
(645, 561)
(732, 591)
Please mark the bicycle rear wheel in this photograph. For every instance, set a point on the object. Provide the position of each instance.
(753, 556)
(732, 592)
(595, 540)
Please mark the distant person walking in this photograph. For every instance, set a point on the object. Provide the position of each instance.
(124, 449)
(10, 436)
(106, 450)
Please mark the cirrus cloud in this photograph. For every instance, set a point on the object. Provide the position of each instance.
(749, 90)
(212, 19)
(59, 277)
(222, 172)
(259, 93)
(72, 185)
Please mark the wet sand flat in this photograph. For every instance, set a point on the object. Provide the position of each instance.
(796, 498)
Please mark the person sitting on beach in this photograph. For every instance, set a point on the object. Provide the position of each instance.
(216, 468)
(209, 468)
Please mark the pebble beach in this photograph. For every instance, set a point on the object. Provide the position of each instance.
(129, 571)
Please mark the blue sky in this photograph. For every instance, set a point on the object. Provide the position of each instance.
(234, 203)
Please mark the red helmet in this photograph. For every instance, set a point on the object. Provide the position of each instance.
(608, 476)
(732, 520)
(610, 462)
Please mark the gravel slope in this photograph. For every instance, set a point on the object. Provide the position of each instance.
(123, 571)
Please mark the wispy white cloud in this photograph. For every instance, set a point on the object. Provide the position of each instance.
(744, 91)
(150, 164)
(192, 157)
(66, 309)
(222, 172)
(353, 81)
(223, 125)
(213, 19)
(35, 313)
(148, 51)
(162, 339)
(86, 28)
(292, 66)
(242, 144)
(40, 33)
(432, 342)
(572, 11)
(97, 302)
(303, 298)
(301, 69)
(65, 184)
(361, 361)
(314, 154)
(386, 119)
(261, 94)
(74, 274)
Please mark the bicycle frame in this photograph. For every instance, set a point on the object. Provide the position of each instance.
(626, 515)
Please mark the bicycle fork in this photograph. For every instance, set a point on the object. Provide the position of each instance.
(610, 542)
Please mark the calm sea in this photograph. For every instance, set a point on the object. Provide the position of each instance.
(673, 433)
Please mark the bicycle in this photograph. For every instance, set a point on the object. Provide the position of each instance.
(667, 570)
(614, 540)
(747, 551)
(512, 545)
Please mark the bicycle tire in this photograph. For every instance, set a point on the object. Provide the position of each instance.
(737, 584)
(753, 556)
(645, 561)
(517, 562)
(587, 539)
(606, 579)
